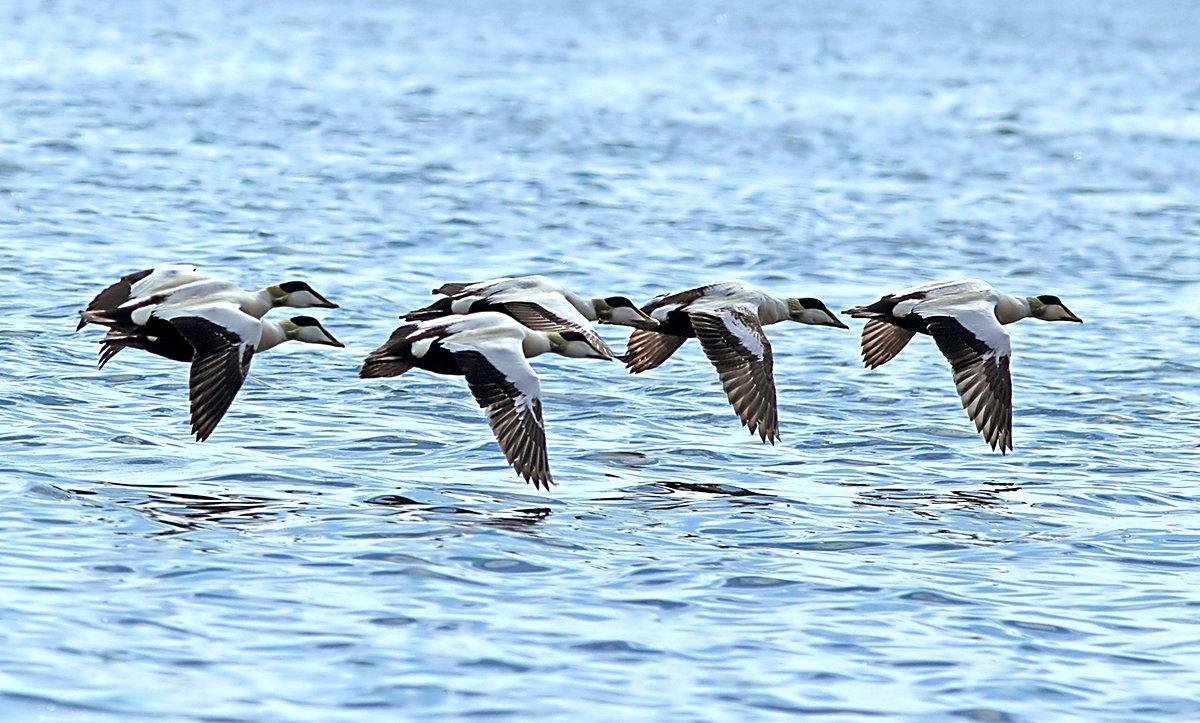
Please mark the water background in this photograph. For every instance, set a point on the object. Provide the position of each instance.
(350, 550)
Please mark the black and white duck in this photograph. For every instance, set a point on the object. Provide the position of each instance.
(537, 302)
(219, 340)
(129, 302)
(728, 319)
(966, 319)
(491, 350)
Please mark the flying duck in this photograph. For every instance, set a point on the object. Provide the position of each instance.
(491, 350)
(728, 319)
(126, 304)
(183, 283)
(219, 340)
(965, 319)
(537, 302)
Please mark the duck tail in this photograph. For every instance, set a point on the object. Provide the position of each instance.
(108, 350)
(393, 358)
(870, 311)
(103, 318)
(436, 310)
(122, 315)
(383, 366)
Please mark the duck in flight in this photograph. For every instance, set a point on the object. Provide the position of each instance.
(219, 340)
(126, 304)
(491, 350)
(728, 319)
(965, 319)
(537, 302)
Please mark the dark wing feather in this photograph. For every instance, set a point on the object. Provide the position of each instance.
(115, 295)
(539, 318)
(516, 419)
(881, 342)
(648, 349)
(436, 310)
(682, 298)
(982, 378)
(219, 366)
(748, 377)
(454, 288)
(114, 342)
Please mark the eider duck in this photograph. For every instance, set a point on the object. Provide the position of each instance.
(728, 319)
(219, 340)
(127, 303)
(965, 319)
(491, 350)
(537, 302)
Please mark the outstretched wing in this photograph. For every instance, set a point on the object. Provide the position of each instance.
(141, 283)
(677, 298)
(733, 339)
(881, 342)
(508, 389)
(224, 344)
(114, 295)
(979, 351)
(550, 312)
(138, 284)
(648, 349)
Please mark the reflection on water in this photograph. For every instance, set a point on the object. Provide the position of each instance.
(343, 550)
(928, 504)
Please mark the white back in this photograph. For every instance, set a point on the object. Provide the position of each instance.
(166, 277)
(551, 301)
(225, 315)
(484, 324)
(977, 315)
(192, 291)
(500, 342)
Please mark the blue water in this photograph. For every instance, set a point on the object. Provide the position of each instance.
(350, 550)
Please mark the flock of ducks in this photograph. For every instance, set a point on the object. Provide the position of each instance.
(487, 331)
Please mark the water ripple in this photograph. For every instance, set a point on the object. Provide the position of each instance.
(347, 551)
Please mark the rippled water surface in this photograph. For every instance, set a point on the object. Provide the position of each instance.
(350, 550)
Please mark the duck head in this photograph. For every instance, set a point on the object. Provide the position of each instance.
(808, 310)
(308, 330)
(576, 345)
(1050, 308)
(620, 310)
(298, 294)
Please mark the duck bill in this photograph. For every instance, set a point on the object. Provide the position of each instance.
(838, 322)
(325, 303)
(647, 322)
(1071, 316)
(333, 342)
(628, 316)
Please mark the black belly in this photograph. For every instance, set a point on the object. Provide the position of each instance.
(677, 323)
(437, 360)
(160, 338)
(912, 322)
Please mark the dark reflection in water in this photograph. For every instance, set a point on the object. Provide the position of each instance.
(929, 504)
